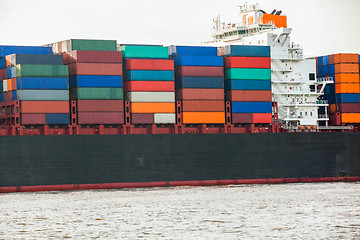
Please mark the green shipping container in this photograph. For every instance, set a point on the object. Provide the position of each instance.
(248, 73)
(145, 51)
(91, 45)
(29, 70)
(97, 93)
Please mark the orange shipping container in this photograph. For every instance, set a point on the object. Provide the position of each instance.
(350, 117)
(9, 81)
(346, 58)
(249, 96)
(203, 117)
(279, 21)
(44, 107)
(203, 106)
(347, 78)
(262, 118)
(8, 60)
(347, 68)
(152, 107)
(347, 88)
(331, 59)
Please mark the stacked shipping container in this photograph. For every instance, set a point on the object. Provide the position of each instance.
(95, 78)
(344, 94)
(199, 84)
(149, 84)
(38, 81)
(248, 83)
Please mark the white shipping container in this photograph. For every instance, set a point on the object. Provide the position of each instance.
(13, 72)
(5, 88)
(164, 118)
(151, 96)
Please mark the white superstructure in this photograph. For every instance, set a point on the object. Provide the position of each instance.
(294, 83)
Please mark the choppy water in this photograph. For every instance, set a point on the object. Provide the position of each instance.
(292, 211)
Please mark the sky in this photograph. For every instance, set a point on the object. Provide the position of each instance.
(320, 26)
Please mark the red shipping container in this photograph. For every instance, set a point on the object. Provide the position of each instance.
(348, 107)
(150, 86)
(45, 107)
(242, 117)
(3, 74)
(198, 71)
(100, 106)
(8, 96)
(142, 118)
(203, 106)
(95, 69)
(248, 96)
(150, 64)
(262, 118)
(247, 62)
(200, 94)
(29, 118)
(100, 117)
(81, 56)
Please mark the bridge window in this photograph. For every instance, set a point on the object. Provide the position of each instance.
(312, 76)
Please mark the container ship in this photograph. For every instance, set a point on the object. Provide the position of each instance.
(246, 108)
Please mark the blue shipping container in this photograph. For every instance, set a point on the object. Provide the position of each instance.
(42, 83)
(1, 97)
(7, 50)
(320, 61)
(248, 85)
(199, 82)
(58, 118)
(37, 59)
(331, 98)
(329, 89)
(2, 63)
(8, 72)
(192, 51)
(14, 95)
(209, 61)
(251, 107)
(247, 51)
(348, 98)
(95, 81)
(326, 60)
(149, 75)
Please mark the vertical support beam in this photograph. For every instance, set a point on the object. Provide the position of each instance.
(127, 111)
(204, 130)
(228, 119)
(73, 113)
(178, 112)
(101, 129)
(252, 128)
(46, 129)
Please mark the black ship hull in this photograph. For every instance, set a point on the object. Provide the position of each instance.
(36, 163)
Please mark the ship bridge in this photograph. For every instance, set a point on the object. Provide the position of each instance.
(293, 78)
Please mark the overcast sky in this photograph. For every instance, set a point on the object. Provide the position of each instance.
(320, 26)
